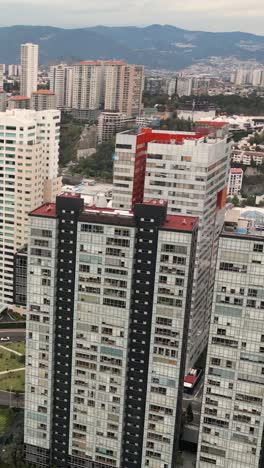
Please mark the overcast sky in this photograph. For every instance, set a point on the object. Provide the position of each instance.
(210, 15)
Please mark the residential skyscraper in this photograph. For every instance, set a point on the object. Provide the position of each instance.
(123, 87)
(113, 86)
(231, 431)
(61, 83)
(29, 69)
(190, 171)
(108, 308)
(1, 76)
(29, 176)
(87, 85)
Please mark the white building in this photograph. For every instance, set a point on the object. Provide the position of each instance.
(2, 100)
(109, 85)
(29, 176)
(61, 83)
(190, 172)
(29, 69)
(184, 86)
(247, 157)
(87, 85)
(231, 430)
(110, 123)
(235, 181)
(43, 99)
(1, 76)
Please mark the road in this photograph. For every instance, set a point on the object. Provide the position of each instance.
(15, 334)
(196, 402)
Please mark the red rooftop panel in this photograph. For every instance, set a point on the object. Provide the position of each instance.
(180, 223)
(19, 98)
(49, 210)
(44, 92)
(236, 171)
(211, 123)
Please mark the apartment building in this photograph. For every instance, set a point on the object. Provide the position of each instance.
(184, 86)
(87, 85)
(29, 69)
(248, 157)
(235, 181)
(43, 100)
(112, 86)
(108, 307)
(28, 177)
(231, 431)
(1, 76)
(190, 171)
(61, 83)
(110, 123)
(2, 100)
(18, 102)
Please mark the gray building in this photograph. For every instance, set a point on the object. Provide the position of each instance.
(232, 416)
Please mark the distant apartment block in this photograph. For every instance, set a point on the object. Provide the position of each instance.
(61, 83)
(18, 102)
(29, 69)
(43, 100)
(109, 297)
(235, 181)
(184, 86)
(231, 431)
(247, 157)
(112, 86)
(2, 100)
(29, 176)
(110, 123)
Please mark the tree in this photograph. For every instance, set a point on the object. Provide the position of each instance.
(235, 200)
(189, 413)
(99, 165)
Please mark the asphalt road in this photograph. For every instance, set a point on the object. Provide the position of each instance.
(15, 334)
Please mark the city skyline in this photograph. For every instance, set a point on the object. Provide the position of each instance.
(205, 15)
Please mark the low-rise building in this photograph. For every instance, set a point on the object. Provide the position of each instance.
(235, 181)
(18, 102)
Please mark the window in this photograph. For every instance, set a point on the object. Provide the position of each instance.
(258, 248)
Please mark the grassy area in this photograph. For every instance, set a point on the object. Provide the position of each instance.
(6, 418)
(19, 346)
(14, 381)
(9, 361)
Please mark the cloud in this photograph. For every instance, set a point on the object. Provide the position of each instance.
(222, 15)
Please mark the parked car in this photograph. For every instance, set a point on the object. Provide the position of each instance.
(4, 338)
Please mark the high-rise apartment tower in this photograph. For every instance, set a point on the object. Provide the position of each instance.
(108, 307)
(232, 420)
(28, 177)
(29, 69)
(190, 171)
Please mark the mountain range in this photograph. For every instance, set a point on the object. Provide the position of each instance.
(155, 46)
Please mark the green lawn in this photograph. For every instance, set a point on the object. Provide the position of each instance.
(19, 346)
(14, 381)
(6, 417)
(10, 361)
